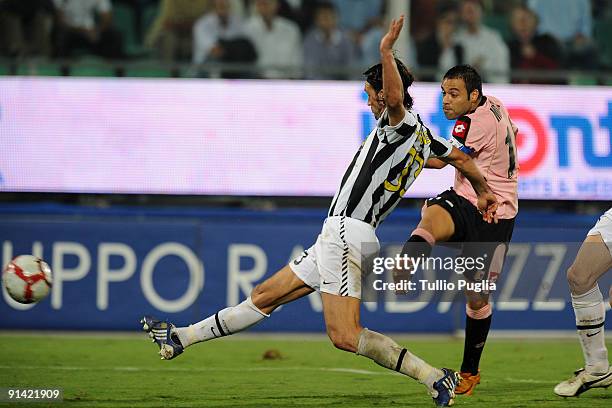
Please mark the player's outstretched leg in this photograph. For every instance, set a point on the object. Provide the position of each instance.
(283, 287)
(593, 260)
(345, 332)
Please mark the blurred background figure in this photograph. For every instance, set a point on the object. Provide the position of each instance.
(528, 49)
(571, 23)
(25, 27)
(171, 34)
(327, 46)
(439, 49)
(218, 37)
(368, 45)
(277, 41)
(218, 24)
(87, 25)
(359, 16)
(484, 47)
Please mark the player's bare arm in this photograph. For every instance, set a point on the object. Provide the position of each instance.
(434, 163)
(487, 203)
(393, 93)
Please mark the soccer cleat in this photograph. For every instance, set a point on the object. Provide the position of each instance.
(445, 387)
(583, 381)
(162, 333)
(469, 381)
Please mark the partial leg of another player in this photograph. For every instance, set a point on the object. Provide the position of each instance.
(282, 287)
(346, 333)
(593, 260)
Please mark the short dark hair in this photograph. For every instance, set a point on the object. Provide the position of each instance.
(325, 5)
(374, 76)
(470, 76)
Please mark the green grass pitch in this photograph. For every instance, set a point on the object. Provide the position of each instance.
(116, 371)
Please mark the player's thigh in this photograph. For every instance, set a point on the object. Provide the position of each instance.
(282, 287)
(438, 221)
(341, 315)
(593, 260)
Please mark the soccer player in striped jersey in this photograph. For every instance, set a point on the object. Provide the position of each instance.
(594, 259)
(483, 130)
(385, 166)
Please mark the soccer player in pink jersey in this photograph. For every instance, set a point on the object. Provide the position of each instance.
(484, 131)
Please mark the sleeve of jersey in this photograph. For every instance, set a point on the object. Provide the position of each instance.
(440, 147)
(465, 137)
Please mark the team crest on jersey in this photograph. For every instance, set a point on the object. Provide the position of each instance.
(461, 128)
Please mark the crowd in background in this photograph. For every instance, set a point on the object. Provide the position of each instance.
(314, 39)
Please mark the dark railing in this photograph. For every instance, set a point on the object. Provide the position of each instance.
(155, 68)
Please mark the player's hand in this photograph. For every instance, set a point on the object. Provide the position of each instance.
(487, 205)
(387, 42)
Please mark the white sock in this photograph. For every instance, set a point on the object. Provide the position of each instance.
(590, 315)
(387, 353)
(225, 322)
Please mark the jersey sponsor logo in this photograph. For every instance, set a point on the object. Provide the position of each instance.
(461, 128)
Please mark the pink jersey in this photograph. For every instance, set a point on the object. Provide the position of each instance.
(489, 137)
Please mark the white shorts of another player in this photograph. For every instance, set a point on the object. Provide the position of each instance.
(604, 228)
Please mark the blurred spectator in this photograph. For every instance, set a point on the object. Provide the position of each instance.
(299, 11)
(172, 32)
(25, 27)
(221, 23)
(277, 40)
(218, 37)
(529, 50)
(439, 50)
(370, 47)
(423, 16)
(570, 22)
(138, 9)
(358, 16)
(484, 47)
(327, 46)
(87, 24)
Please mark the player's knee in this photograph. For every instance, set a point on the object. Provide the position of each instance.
(477, 304)
(437, 222)
(579, 280)
(263, 299)
(342, 339)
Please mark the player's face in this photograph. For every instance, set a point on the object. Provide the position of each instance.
(455, 99)
(375, 100)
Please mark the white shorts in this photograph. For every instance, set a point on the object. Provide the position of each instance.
(334, 263)
(604, 228)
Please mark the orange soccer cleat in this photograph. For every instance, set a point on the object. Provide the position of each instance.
(468, 383)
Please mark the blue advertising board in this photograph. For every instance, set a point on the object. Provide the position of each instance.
(112, 266)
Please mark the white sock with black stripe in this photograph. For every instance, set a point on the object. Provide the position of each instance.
(387, 353)
(590, 316)
(225, 322)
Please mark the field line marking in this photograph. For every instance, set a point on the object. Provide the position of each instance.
(197, 369)
(250, 369)
(527, 381)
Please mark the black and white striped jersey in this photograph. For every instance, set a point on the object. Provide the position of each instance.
(386, 165)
